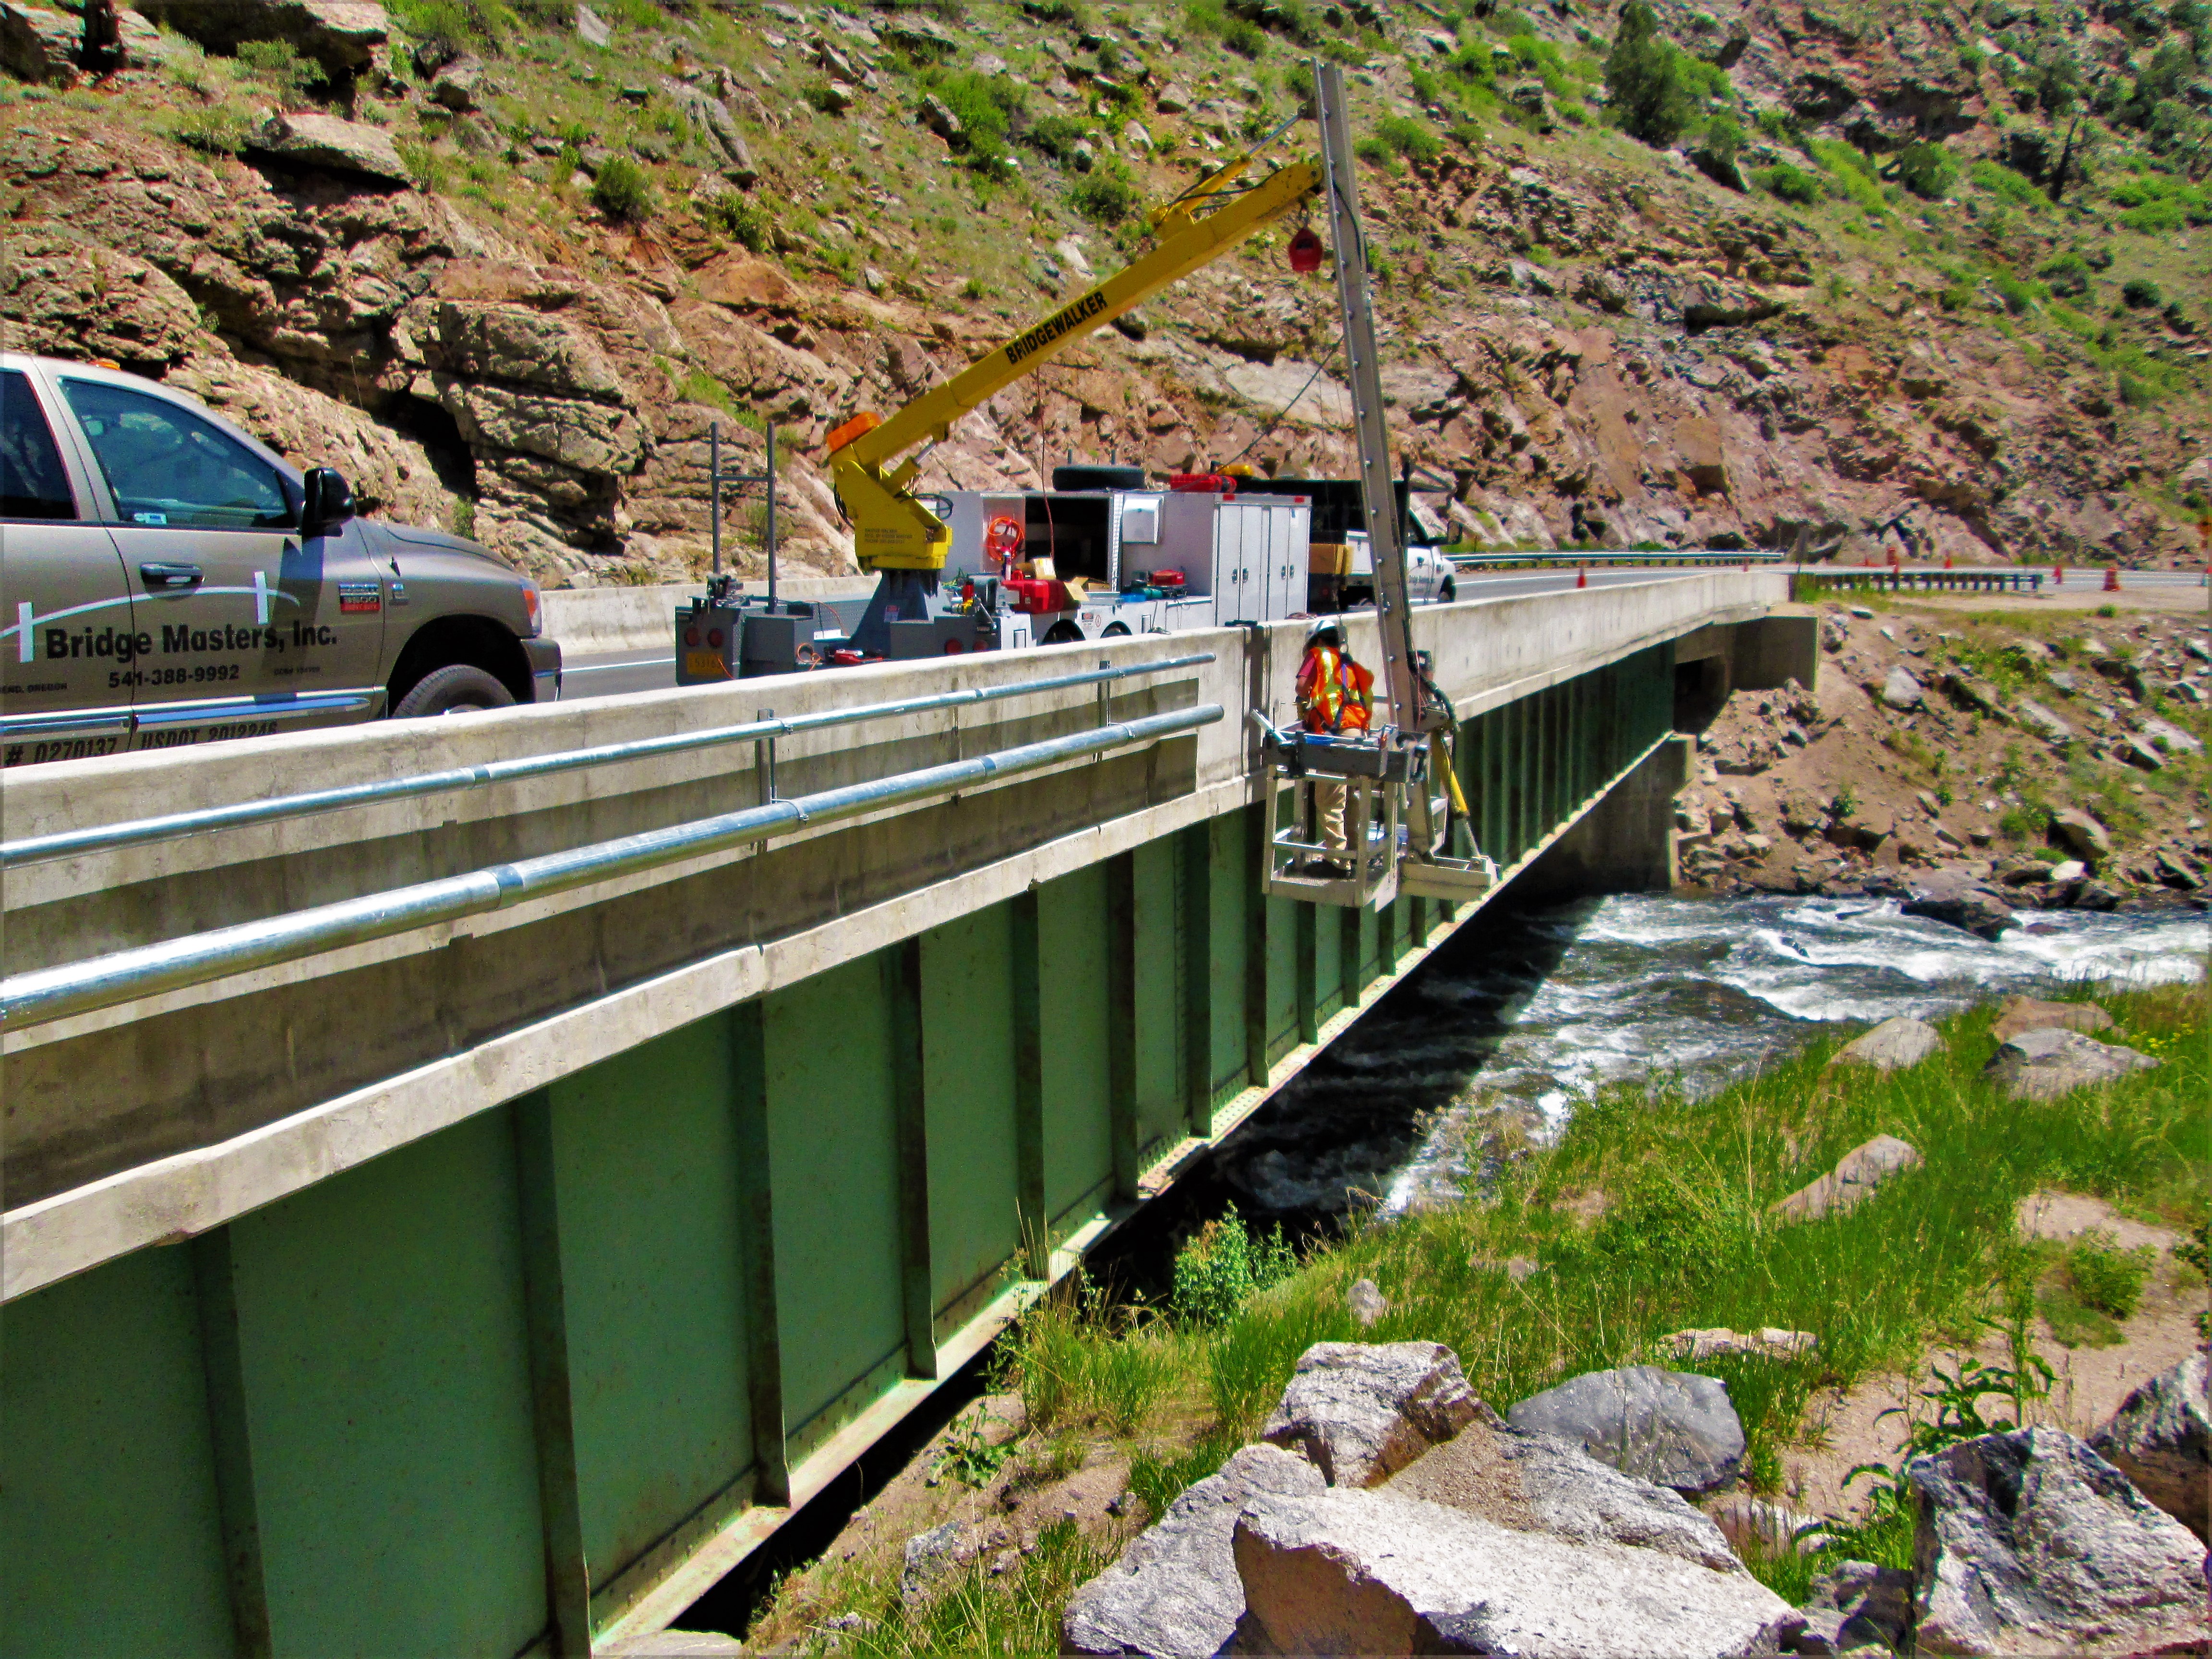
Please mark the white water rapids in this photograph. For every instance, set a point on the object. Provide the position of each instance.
(1540, 1009)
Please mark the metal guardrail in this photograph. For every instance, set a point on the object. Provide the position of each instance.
(1698, 555)
(1974, 578)
(50, 994)
(139, 832)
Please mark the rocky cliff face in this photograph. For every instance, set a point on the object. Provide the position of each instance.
(391, 243)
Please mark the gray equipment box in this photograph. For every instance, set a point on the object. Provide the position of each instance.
(707, 643)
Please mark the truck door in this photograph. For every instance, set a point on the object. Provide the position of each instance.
(69, 645)
(247, 629)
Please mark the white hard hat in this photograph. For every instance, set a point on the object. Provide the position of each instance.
(1324, 625)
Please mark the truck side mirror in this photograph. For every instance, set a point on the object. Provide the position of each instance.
(328, 503)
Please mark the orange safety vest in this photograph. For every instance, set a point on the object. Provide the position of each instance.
(1333, 691)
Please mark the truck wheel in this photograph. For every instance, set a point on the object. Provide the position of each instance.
(1062, 633)
(1114, 631)
(458, 689)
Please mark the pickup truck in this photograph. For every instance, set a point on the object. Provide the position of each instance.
(169, 580)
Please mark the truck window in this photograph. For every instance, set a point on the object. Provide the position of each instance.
(32, 482)
(168, 467)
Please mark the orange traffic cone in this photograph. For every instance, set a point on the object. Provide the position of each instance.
(2058, 576)
(2111, 578)
(1582, 575)
(1947, 562)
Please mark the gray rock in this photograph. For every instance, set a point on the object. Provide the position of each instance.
(1892, 1046)
(327, 141)
(2029, 1542)
(461, 85)
(928, 1556)
(1768, 1342)
(1852, 1182)
(340, 35)
(2042, 721)
(1175, 1590)
(2161, 1439)
(1900, 689)
(2169, 737)
(1540, 1482)
(592, 29)
(1857, 1606)
(2017, 1014)
(1961, 904)
(2082, 836)
(2142, 754)
(2037, 1065)
(1974, 693)
(1366, 1301)
(1672, 1428)
(39, 46)
(1375, 1573)
(1360, 1411)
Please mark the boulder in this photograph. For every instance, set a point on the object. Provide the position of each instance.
(1370, 1572)
(1892, 1046)
(1973, 693)
(2037, 1065)
(1770, 1342)
(745, 282)
(39, 46)
(1540, 1483)
(592, 29)
(1175, 1590)
(1857, 1604)
(1360, 1411)
(461, 85)
(1672, 1428)
(928, 1556)
(1754, 1523)
(2169, 737)
(2040, 720)
(2018, 1014)
(1854, 1179)
(2082, 836)
(335, 145)
(341, 36)
(2139, 754)
(1900, 690)
(1961, 904)
(2028, 1542)
(2161, 1439)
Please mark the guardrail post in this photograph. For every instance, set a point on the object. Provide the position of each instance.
(236, 1502)
(567, 1573)
(757, 1219)
(901, 966)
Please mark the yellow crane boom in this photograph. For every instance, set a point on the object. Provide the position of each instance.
(892, 531)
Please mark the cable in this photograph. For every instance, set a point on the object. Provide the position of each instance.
(1279, 415)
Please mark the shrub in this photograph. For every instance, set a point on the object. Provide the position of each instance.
(2105, 1276)
(2003, 183)
(1416, 141)
(2141, 293)
(459, 26)
(1107, 194)
(1723, 137)
(219, 129)
(1224, 1265)
(1645, 80)
(1790, 183)
(2020, 297)
(1055, 136)
(986, 106)
(1927, 170)
(741, 220)
(2067, 274)
(623, 190)
(277, 66)
(1240, 34)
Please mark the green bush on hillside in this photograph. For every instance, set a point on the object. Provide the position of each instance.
(1239, 34)
(1224, 1267)
(1107, 194)
(986, 106)
(1927, 170)
(459, 26)
(2141, 293)
(1790, 183)
(1416, 141)
(624, 191)
(2067, 274)
(2006, 184)
(741, 220)
(1055, 136)
(1647, 80)
(277, 66)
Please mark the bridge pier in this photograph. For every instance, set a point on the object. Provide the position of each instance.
(1624, 843)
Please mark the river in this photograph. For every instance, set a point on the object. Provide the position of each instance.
(1531, 1010)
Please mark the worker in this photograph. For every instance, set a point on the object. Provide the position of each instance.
(1335, 696)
